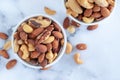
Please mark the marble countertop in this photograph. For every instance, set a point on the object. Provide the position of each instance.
(101, 59)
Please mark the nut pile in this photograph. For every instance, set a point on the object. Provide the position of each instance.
(37, 41)
(89, 11)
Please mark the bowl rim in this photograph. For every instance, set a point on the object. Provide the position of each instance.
(61, 52)
(93, 23)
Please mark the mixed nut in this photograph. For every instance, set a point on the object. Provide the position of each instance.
(89, 11)
(38, 41)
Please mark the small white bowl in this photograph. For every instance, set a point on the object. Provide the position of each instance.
(61, 52)
(93, 23)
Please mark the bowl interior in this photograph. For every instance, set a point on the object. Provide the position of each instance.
(61, 52)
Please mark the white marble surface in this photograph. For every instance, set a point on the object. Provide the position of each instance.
(101, 59)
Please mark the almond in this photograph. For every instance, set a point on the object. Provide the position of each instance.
(49, 46)
(11, 64)
(34, 54)
(105, 12)
(20, 53)
(81, 46)
(96, 8)
(57, 34)
(3, 36)
(55, 44)
(96, 15)
(41, 58)
(57, 27)
(41, 48)
(75, 24)
(16, 35)
(88, 12)
(44, 63)
(4, 54)
(66, 22)
(92, 27)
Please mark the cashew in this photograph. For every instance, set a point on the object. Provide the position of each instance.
(91, 1)
(27, 28)
(88, 20)
(49, 40)
(77, 59)
(85, 4)
(111, 2)
(67, 4)
(24, 49)
(16, 46)
(54, 57)
(49, 55)
(75, 6)
(102, 3)
(49, 11)
(31, 47)
(45, 23)
(7, 45)
(68, 48)
(71, 29)
(70, 12)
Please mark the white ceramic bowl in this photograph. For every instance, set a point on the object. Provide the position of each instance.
(61, 52)
(93, 23)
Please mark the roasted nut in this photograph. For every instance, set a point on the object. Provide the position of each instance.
(66, 22)
(20, 42)
(110, 8)
(111, 2)
(45, 22)
(44, 63)
(23, 35)
(49, 11)
(41, 48)
(77, 59)
(41, 58)
(54, 57)
(20, 29)
(49, 55)
(105, 12)
(7, 45)
(96, 8)
(88, 12)
(71, 12)
(71, 29)
(96, 15)
(31, 41)
(68, 48)
(4, 54)
(57, 34)
(16, 46)
(11, 64)
(85, 4)
(81, 46)
(16, 35)
(49, 47)
(3, 36)
(57, 27)
(34, 54)
(88, 20)
(24, 49)
(92, 27)
(20, 53)
(75, 24)
(102, 3)
(27, 28)
(36, 32)
(31, 47)
(55, 44)
(80, 17)
(75, 6)
(49, 40)
(62, 42)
